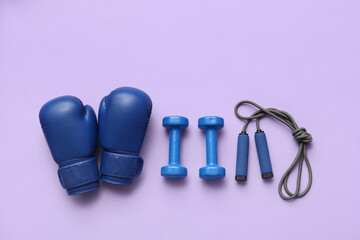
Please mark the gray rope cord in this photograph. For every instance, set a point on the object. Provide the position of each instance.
(300, 135)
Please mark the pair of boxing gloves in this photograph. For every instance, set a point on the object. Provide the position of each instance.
(71, 131)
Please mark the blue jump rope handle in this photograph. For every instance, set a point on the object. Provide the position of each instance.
(263, 155)
(242, 157)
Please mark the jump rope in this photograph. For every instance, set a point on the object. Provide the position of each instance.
(300, 134)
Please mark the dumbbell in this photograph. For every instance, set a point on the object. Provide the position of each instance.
(175, 124)
(210, 125)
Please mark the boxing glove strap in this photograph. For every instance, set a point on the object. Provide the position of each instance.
(79, 173)
(121, 165)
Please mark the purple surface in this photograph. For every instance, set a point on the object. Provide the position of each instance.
(193, 58)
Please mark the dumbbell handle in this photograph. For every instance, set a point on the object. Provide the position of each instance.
(174, 145)
(211, 146)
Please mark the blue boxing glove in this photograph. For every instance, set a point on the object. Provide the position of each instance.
(70, 129)
(123, 119)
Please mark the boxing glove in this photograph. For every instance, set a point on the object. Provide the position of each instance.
(70, 129)
(123, 119)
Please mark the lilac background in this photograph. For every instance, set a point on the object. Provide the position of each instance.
(193, 58)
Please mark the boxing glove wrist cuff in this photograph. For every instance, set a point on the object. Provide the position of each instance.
(79, 177)
(120, 168)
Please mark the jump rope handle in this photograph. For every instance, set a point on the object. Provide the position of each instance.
(242, 157)
(263, 155)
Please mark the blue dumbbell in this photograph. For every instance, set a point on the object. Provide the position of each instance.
(175, 124)
(211, 171)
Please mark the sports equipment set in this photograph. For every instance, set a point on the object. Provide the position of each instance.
(72, 131)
